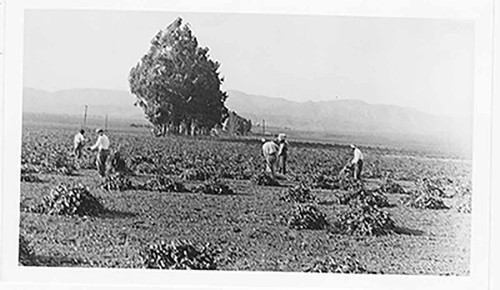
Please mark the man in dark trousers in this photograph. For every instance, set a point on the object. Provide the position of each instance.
(282, 153)
(79, 142)
(102, 147)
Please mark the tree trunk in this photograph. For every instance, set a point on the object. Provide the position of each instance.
(193, 127)
(183, 128)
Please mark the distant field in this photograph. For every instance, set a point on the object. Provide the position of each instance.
(414, 145)
(251, 226)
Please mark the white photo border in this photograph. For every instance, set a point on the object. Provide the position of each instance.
(479, 11)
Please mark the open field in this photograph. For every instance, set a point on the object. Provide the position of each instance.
(249, 227)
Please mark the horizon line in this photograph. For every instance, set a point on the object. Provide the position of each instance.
(272, 97)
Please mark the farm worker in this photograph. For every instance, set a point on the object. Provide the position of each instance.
(102, 147)
(357, 161)
(118, 164)
(270, 150)
(282, 152)
(79, 141)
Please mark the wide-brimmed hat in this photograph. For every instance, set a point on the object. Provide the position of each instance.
(99, 130)
(352, 146)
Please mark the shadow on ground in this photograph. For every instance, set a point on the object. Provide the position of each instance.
(408, 231)
(116, 214)
(47, 261)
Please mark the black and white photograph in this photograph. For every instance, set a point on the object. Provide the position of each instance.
(217, 142)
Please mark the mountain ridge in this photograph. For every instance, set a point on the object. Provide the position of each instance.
(323, 116)
(341, 115)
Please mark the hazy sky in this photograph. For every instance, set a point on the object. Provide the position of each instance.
(420, 63)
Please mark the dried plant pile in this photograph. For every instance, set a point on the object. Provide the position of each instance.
(425, 200)
(348, 265)
(29, 169)
(300, 193)
(364, 196)
(264, 179)
(215, 187)
(70, 200)
(88, 162)
(345, 181)
(391, 187)
(195, 174)
(179, 255)
(120, 164)
(324, 182)
(364, 220)
(307, 217)
(118, 182)
(435, 187)
(350, 184)
(426, 197)
(30, 178)
(26, 253)
(162, 183)
(238, 171)
(145, 168)
(58, 162)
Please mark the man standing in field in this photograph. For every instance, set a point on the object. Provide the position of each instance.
(102, 147)
(282, 152)
(270, 150)
(79, 142)
(356, 162)
(118, 164)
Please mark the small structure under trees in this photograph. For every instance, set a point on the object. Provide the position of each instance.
(237, 125)
(177, 85)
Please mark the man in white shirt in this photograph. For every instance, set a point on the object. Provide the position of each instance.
(102, 147)
(79, 142)
(357, 161)
(270, 150)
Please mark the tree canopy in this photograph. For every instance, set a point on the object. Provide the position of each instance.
(177, 85)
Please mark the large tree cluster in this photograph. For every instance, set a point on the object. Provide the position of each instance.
(177, 85)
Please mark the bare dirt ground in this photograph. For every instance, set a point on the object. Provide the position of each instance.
(248, 226)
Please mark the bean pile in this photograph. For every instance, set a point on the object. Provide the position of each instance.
(118, 182)
(264, 179)
(307, 216)
(162, 183)
(214, 186)
(70, 200)
(179, 254)
(26, 253)
(299, 193)
(30, 178)
(348, 265)
(391, 187)
(362, 195)
(364, 220)
(195, 174)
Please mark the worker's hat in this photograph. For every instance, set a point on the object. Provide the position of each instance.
(99, 130)
(352, 146)
(281, 136)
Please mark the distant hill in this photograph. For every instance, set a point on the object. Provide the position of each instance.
(342, 116)
(335, 116)
(100, 102)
